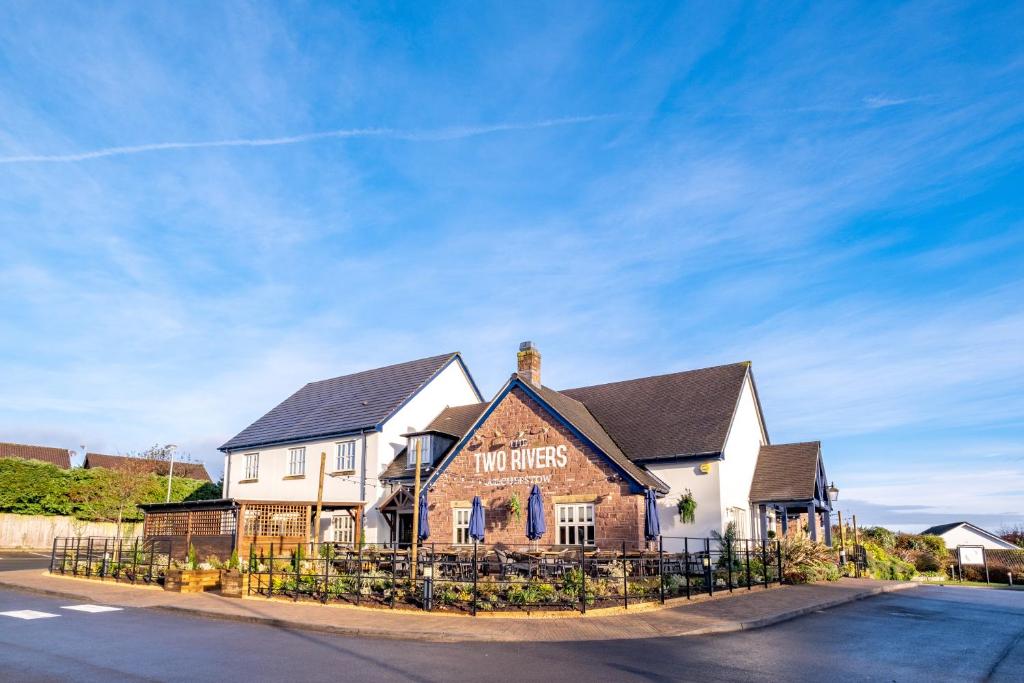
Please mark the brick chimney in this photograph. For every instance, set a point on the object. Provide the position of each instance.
(529, 363)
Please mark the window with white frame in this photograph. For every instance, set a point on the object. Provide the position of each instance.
(575, 523)
(251, 462)
(343, 528)
(345, 458)
(296, 462)
(460, 525)
(424, 441)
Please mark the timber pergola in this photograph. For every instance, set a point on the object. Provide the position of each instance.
(213, 525)
(790, 479)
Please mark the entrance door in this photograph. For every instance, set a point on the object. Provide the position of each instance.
(404, 530)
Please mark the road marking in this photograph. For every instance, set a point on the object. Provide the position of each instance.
(27, 614)
(92, 608)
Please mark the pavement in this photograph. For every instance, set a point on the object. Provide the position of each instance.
(724, 613)
(927, 634)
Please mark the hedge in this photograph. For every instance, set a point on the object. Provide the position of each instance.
(31, 487)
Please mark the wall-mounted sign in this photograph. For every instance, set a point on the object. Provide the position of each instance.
(520, 465)
(705, 468)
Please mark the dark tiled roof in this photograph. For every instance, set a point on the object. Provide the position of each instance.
(342, 404)
(785, 472)
(60, 457)
(577, 414)
(940, 529)
(185, 470)
(667, 416)
(456, 421)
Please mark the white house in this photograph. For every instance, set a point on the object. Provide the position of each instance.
(957, 534)
(358, 421)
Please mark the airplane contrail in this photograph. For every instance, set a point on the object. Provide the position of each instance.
(437, 134)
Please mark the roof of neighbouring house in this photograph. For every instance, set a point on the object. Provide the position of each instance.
(61, 457)
(786, 472)
(185, 470)
(345, 404)
(940, 529)
(667, 416)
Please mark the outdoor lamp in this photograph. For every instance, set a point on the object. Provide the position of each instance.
(833, 492)
(707, 561)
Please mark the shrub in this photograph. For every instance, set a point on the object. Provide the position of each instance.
(882, 565)
(804, 561)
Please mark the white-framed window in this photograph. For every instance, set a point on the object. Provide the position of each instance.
(343, 528)
(575, 523)
(251, 462)
(296, 461)
(345, 458)
(424, 440)
(460, 526)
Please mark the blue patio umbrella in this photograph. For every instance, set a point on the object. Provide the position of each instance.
(535, 526)
(652, 527)
(424, 521)
(476, 520)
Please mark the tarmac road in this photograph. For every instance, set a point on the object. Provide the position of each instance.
(924, 634)
(23, 559)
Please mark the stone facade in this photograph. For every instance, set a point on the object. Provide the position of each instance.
(520, 422)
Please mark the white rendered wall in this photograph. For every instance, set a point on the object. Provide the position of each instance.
(706, 491)
(744, 441)
(966, 536)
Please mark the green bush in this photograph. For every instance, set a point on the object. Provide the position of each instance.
(30, 487)
(882, 565)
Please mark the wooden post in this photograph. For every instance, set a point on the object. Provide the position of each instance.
(416, 513)
(188, 532)
(319, 498)
(842, 538)
(856, 544)
(240, 529)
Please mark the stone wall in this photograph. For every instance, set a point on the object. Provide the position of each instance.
(586, 477)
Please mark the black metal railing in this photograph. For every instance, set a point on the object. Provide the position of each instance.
(498, 577)
(129, 560)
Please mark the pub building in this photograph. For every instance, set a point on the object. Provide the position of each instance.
(594, 452)
(347, 445)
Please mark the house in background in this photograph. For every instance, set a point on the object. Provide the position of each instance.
(358, 421)
(185, 470)
(61, 457)
(956, 534)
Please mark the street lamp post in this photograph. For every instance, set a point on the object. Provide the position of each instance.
(170, 471)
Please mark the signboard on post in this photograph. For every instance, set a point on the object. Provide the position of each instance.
(971, 555)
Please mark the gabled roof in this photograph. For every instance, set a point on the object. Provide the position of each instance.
(60, 457)
(786, 472)
(940, 529)
(185, 470)
(343, 405)
(668, 416)
(576, 416)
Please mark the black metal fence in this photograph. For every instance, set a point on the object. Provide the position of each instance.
(502, 577)
(129, 560)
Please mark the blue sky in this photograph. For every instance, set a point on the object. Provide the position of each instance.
(203, 208)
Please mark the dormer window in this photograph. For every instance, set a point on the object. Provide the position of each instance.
(424, 441)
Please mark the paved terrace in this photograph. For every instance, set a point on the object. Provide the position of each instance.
(723, 613)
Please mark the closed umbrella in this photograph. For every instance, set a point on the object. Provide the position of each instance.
(424, 522)
(476, 520)
(652, 527)
(535, 526)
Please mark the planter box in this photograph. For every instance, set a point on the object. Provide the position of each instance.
(191, 580)
(231, 583)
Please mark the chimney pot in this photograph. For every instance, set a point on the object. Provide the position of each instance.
(529, 362)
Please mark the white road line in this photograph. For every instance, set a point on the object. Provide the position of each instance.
(92, 608)
(27, 614)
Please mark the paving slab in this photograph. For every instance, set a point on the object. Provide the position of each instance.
(723, 613)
